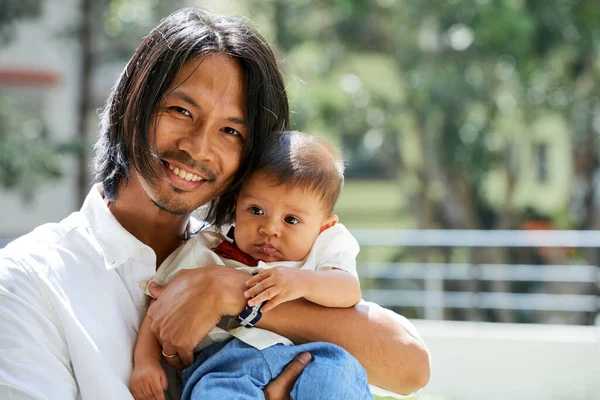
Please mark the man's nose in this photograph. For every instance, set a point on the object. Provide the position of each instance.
(198, 143)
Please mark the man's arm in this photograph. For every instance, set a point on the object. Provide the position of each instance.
(393, 358)
(34, 361)
(193, 302)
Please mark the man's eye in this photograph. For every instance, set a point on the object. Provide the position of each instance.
(181, 111)
(255, 211)
(290, 219)
(231, 131)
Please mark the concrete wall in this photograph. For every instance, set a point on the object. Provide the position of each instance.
(486, 361)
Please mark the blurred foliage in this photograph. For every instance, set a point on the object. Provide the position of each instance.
(29, 154)
(434, 95)
(123, 24)
(13, 11)
(437, 94)
(442, 96)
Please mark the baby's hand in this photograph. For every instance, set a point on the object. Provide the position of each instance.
(277, 284)
(148, 380)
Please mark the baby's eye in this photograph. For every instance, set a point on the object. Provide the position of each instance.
(290, 219)
(255, 210)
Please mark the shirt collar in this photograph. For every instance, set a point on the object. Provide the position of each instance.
(116, 243)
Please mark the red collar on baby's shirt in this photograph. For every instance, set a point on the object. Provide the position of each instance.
(230, 250)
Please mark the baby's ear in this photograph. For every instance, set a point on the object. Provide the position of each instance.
(329, 222)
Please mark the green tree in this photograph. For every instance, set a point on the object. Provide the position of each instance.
(106, 32)
(463, 79)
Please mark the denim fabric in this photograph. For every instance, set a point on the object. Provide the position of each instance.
(236, 370)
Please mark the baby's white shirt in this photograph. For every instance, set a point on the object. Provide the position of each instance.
(335, 247)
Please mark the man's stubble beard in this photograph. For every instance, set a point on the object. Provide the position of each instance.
(166, 203)
(168, 209)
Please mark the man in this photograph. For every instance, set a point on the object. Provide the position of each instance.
(182, 127)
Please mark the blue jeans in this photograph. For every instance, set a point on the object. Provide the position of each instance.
(236, 370)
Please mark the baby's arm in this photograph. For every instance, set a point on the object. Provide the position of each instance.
(329, 288)
(332, 283)
(148, 379)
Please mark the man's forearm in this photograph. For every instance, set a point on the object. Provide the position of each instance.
(393, 358)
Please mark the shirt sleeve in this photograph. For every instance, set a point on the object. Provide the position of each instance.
(336, 248)
(34, 358)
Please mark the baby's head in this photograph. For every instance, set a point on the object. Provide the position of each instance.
(284, 205)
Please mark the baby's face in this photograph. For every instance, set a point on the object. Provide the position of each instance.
(277, 223)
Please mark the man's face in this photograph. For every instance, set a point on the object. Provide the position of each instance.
(278, 223)
(199, 129)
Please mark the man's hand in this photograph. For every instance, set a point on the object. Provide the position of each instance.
(277, 285)
(280, 387)
(192, 304)
(148, 380)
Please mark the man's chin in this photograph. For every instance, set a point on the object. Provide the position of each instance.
(171, 209)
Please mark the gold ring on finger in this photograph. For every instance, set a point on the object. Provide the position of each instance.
(169, 356)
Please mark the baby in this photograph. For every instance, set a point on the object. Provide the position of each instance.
(288, 238)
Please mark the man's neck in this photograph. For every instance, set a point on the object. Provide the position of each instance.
(161, 230)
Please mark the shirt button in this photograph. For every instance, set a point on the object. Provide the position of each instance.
(143, 285)
(145, 253)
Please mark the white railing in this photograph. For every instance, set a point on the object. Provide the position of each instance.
(432, 300)
(476, 238)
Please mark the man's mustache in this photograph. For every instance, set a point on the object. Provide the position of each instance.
(185, 159)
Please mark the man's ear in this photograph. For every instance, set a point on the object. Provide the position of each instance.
(329, 222)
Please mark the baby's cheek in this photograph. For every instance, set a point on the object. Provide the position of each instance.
(302, 249)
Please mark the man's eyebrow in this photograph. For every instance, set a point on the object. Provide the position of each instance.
(238, 121)
(183, 96)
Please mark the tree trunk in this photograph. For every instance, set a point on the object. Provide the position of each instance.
(85, 86)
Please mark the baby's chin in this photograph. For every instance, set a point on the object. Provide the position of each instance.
(267, 258)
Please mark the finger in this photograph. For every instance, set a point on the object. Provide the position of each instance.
(186, 357)
(271, 304)
(135, 393)
(261, 286)
(164, 382)
(146, 392)
(139, 395)
(157, 391)
(155, 289)
(175, 363)
(268, 294)
(258, 288)
(167, 350)
(257, 278)
(282, 385)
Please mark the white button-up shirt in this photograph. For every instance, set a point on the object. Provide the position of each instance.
(70, 307)
(71, 302)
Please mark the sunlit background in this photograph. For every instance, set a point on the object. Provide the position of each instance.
(471, 133)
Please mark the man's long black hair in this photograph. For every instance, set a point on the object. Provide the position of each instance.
(189, 33)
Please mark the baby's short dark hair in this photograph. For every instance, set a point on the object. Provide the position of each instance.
(303, 161)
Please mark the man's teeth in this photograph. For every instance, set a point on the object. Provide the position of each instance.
(188, 176)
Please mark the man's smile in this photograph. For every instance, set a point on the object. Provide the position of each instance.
(182, 178)
(183, 173)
